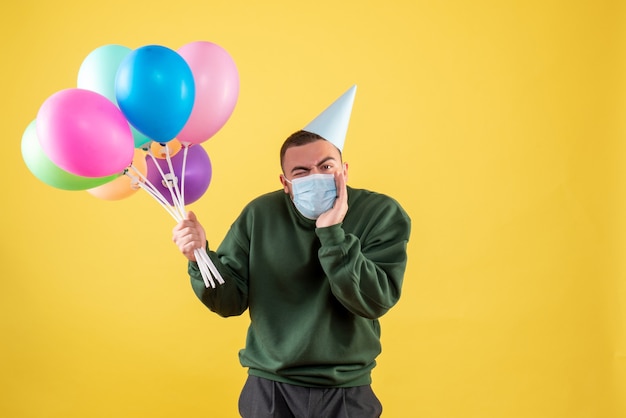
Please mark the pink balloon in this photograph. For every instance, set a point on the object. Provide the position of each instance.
(217, 88)
(84, 133)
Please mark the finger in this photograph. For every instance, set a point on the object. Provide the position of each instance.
(181, 226)
(187, 244)
(340, 182)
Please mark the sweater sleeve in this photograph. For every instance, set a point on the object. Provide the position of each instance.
(366, 273)
(230, 298)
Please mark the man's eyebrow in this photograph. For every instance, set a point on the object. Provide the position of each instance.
(326, 160)
(297, 168)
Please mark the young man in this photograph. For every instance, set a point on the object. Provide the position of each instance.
(316, 264)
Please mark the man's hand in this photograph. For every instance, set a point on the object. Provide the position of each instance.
(189, 235)
(336, 214)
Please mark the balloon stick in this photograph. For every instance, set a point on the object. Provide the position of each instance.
(178, 212)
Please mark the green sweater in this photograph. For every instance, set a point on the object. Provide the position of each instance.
(313, 294)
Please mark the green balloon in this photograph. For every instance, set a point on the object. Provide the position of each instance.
(98, 69)
(45, 170)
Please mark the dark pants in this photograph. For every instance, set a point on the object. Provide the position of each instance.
(262, 398)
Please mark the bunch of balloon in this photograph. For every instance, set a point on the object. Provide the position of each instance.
(135, 121)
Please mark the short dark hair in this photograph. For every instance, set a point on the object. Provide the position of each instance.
(297, 139)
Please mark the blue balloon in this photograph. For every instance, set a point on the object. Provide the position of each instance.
(155, 90)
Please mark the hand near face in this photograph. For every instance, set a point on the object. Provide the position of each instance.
(338, 212)
(189, 235)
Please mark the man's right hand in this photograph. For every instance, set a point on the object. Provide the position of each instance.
(189, 235)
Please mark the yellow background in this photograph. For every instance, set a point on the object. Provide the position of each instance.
(499, 125)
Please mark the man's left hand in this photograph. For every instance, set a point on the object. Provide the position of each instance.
(337, 213)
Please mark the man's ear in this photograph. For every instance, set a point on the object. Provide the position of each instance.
(345, 170)
(283, 181)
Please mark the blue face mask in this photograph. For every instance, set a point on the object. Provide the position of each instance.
(314, 194)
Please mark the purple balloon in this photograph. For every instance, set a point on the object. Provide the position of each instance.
(197, 173)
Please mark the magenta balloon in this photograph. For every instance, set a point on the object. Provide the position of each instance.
(198, 173)
(216, 81)
(84, 133)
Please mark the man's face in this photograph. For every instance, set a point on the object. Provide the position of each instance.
(319, 157)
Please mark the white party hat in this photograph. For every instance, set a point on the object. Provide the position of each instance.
(332, 123)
